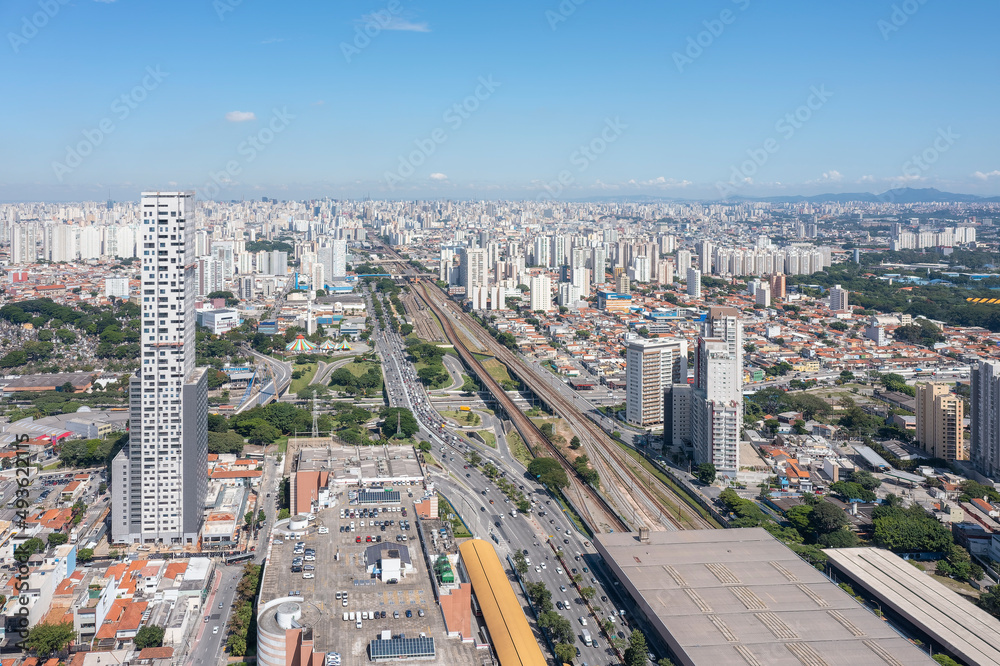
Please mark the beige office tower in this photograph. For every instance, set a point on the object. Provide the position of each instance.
(939, 422)
(652, 366)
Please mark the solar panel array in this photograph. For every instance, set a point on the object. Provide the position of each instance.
(401, 648)
(378, 496)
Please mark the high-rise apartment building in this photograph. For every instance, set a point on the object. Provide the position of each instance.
(158, 479)
(579, 273)
(704, 249)
(651, 366)
(116, 287)
(541, 292)
(683, 262)
(24, 243)
(543, 251)
(474, 271)
(939, 421)
(838, 298)
(598, 262)
(694, 283)
(763, 295)
(778, 286)
(985, 417)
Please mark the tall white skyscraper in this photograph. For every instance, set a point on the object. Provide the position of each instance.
(158, 479)
(683, 262)
(579, 273)
(651, 366)
(24, 243)
(474, 272)
(598, 263)
(985, 418)
(541, 292)
(339, 258)
(704, 249)
(694, 283)
(717, 403)
(543, 246)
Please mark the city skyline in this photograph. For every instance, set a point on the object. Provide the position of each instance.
(561, 101)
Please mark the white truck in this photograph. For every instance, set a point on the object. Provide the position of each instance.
(587, 640)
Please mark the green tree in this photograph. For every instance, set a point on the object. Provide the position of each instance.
(261, 432)
(989, 601)
(565, 652)
(149, 636)
(706, 473)
(283, 514)
(635, 655)
(587, 592)
(574, 443)
(57, 538)
(46, 639)
(217, 423)
(469, 386)
(424, 446)
(945, 660)
(549, 472)
(85, 554)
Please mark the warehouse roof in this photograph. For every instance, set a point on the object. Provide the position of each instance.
(964, 629)
(741, 597)
(513, 641)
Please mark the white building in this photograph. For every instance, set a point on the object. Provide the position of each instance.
(651, 366)
(763, 295)
(116, 286)
(541, 292)
(159, 479)
(694, 283)
(474, 271)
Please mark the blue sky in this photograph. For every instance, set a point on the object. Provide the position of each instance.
(284, 99)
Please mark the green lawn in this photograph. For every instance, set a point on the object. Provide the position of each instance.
(463, 418)
(444, 508)
(497, 370)
(491, 439)
(308, 371)
(518, 448)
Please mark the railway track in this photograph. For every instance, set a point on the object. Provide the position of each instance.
(631, 495)
(611, 462)
(597, 512)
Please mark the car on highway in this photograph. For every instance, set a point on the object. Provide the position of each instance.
(215, 630)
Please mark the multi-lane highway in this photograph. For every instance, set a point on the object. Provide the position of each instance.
(487, 512)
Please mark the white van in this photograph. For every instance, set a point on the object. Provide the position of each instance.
(350, 616)
(583, 620)
(345, 616)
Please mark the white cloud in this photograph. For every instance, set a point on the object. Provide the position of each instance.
(438, 176)
(395, 23)
(240, 116)
(986, 176)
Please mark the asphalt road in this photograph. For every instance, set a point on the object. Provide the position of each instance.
(465, 487)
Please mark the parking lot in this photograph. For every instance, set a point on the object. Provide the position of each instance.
(333, 579)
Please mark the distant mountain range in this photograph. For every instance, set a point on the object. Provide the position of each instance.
(903, 195)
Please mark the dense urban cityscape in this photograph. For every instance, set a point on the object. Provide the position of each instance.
(499, 334)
